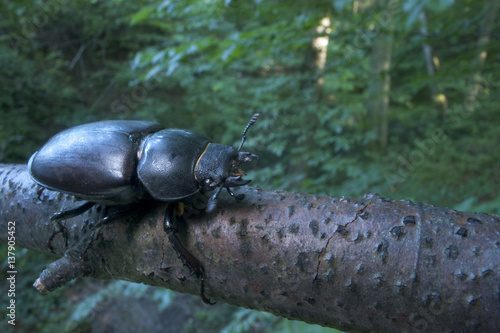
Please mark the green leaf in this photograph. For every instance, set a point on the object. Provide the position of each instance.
(142, 15)
(438, 6)
(227, 52)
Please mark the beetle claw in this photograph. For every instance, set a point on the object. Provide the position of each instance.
(235, 181)
(39, 193)
(202, 294)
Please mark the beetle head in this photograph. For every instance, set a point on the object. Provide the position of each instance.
(218, 166)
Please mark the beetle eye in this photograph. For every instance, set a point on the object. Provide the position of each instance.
(210, 184)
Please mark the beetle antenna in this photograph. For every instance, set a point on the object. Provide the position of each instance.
(250, 123)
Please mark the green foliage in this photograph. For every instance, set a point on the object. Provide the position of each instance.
(243, 58)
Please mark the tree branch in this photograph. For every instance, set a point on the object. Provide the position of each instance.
(373, 264)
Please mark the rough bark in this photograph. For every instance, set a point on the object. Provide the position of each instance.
(372, 264)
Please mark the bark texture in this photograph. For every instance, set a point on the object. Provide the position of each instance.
(372, 264)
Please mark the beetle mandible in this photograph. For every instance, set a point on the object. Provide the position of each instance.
(124, 162)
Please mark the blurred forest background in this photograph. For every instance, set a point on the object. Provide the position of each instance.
(398, 97)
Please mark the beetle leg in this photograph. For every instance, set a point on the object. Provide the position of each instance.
(39, 192)
(128, 211)
(67, 214)
(63, 215)
(188, 259)
(212, 202)
(231, 193)
(240, 196)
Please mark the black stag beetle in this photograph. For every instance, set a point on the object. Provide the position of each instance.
(125, 163)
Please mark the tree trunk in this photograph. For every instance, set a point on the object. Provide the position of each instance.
(380, 82)
(320, 44)
(491, 11)
(373, 264)
(380, 85)
(439, 99)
